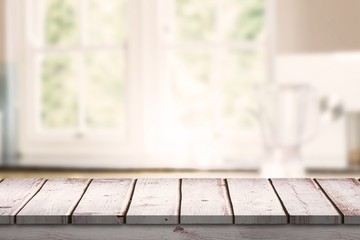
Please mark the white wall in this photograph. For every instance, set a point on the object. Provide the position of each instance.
(337, 74)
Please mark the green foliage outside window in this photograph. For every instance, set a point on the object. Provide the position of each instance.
(61, 22)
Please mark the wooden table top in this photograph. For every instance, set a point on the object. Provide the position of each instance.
(179, 201)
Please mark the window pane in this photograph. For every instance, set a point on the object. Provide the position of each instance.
(107, 21)
(105, 90)
(194, 20)
(58, 92)
(61, 22)
(242, 71)
(242, 19)
(191, 87)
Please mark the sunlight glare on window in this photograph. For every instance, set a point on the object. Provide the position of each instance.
(192, 88)
(107, 23)
(215, 88)
(242, 72)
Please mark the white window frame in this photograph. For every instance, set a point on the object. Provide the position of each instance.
(33, 141)
(141, 146)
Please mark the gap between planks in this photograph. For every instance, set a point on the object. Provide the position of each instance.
(16, 213)
(77, 204)
(129, 198)
(281, 202)
(229, 200)
(331, 201)
(180, 200)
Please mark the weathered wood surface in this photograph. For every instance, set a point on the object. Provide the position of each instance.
(54, 203)
(184, 232)
(205, 201)
(345, 193)
(305, 202)
(255, 202)
(155, 201)
(179, 201)
(105, 202)
(14, 194)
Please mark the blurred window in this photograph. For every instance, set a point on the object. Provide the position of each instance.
(80, 52)
(215, 53)
(163, 73)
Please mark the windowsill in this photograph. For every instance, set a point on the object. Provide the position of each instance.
(250, 163)
(122, 162)
(44, 171)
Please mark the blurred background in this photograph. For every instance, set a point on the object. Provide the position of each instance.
(179, 87)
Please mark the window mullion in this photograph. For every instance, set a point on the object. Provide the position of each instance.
(81, 95)
(216, 72)
(84, 22)
(82, 75)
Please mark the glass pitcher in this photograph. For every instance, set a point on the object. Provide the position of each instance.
(288, 116)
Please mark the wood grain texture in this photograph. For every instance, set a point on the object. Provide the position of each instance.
(105, 202)
(254, 201)
(155, 201)
(14, 194)
(205, 201)
(305, 202)
(184, 232)
(345, 194)
(54, 203)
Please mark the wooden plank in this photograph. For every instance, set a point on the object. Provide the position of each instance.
(155, 201)
(184, 232)
(14, 194)
(205, 201)
(305, 202)
(345, 194)
(254, 201)
(54, 202)
(105, 202)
